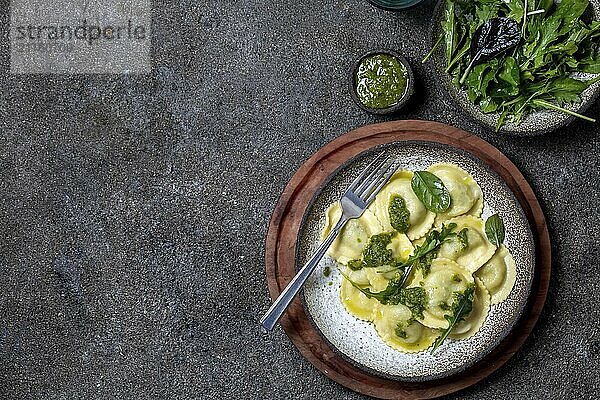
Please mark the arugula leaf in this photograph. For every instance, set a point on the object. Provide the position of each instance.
(494, 230)
(517, 9)
(431, 191)
(591, 66)
(461, 307)
(449, 25)
(426, 252)
(568, 13)
(510, 72)
(384, 296)
(480, 77)
(567, 90)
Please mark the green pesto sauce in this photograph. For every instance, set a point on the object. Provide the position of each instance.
(376, 252)
(381, 81)
(398, 213)
(355, 265)
(424, 262)
(326, 272)
(463, 239)
(400, 330)
(415, 298)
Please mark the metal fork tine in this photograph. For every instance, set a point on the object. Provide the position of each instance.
(353, 204)
(369, 183)
(360, 178)
(383, 180)
(372, 176)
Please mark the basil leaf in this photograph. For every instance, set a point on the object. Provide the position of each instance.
(494, 230)
(431, 191)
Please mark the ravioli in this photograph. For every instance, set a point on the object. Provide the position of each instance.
(478, 249)
(401, 246)
(465, 194)
(377, 279)
(420, 218)
(398, 329)
(355, 302)
(499, 274)
(444, 278)
(353, 237)
(474, 321)
(374, 278)
(464, 260)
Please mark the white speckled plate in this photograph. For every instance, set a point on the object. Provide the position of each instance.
(356, 340)
(533, 124)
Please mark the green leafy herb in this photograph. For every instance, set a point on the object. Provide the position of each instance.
(386, 296)
(326, 272)
(461, 307)
(424, 254)
(494, 230)
(431, 191)
(398, 214)
(449, 26)
(513, 64)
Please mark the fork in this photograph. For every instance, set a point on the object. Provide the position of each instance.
(354, 202)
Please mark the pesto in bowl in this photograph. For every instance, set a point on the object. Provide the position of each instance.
(381, 82)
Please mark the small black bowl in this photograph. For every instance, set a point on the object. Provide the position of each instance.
(410, 83)
(394, 5)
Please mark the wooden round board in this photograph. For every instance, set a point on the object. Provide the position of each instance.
(281, 242)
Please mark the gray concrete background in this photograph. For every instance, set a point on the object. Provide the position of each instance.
(133, 210)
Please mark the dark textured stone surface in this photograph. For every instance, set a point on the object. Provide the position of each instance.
(133, 209)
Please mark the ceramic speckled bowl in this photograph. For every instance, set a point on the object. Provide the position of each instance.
(357, 340)
(537, 123)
